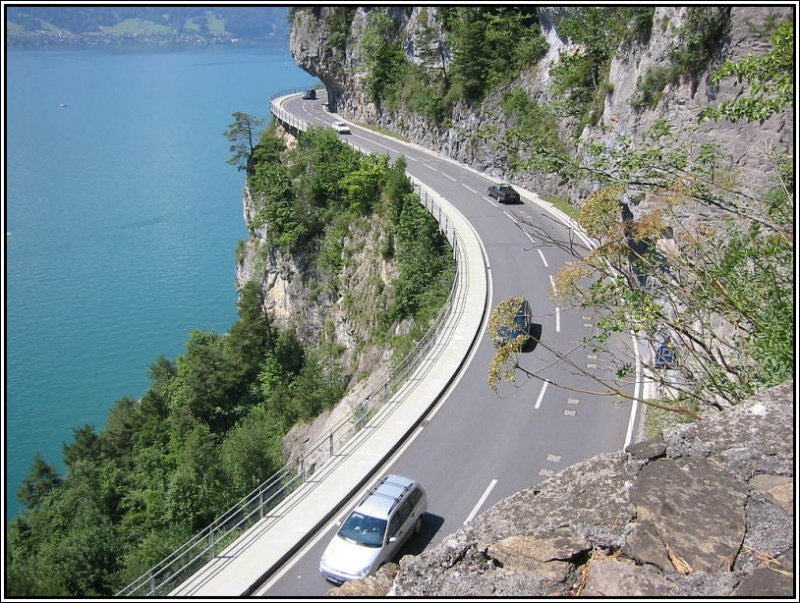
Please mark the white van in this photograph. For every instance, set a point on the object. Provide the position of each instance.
(375, 530)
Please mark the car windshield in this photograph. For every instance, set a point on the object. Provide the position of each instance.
(363, 530)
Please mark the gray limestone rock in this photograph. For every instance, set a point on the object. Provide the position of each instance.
(678, 523)
(695, 508)
(616, 578)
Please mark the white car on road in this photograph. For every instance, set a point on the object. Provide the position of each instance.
(376, 529)
(341, 127)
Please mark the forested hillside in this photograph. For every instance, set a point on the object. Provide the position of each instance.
(209, 428)
(49, 25)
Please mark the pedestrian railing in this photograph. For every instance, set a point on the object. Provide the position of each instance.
(263, 504)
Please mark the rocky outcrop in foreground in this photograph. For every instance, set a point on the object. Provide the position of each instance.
(706, 510)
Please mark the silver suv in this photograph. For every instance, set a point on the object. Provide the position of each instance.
(375, 530)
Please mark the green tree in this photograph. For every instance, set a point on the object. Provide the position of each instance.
(85, 445)
(490, 46)
(251, 337)
(719, 294)
(241, 133)
(362, 187)
(41, 481)
(382, 57)
(116, 439)
(251, 451)
(204, 383)
(469, 70)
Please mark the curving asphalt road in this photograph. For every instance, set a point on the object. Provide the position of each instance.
(476, 446)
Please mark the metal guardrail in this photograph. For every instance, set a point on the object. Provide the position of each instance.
(184, 562)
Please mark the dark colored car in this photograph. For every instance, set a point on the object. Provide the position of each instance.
(310, 95)
(521, 327)
(503, 193)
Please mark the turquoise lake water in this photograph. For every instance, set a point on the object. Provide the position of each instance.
(122, 219)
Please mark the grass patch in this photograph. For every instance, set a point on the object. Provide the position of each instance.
(563, 205)
(380, 130)
(656, 421)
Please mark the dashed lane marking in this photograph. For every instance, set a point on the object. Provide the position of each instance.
(541, 394)
(512, 218)
(541, 255)
(482, 499)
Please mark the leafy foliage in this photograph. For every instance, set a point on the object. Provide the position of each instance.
(690, 54)
(340, 26)
(240, 133)
(383, 57)
(505, 361)
(596, 33)
(718, 293)
(770, 80)
(490, 46)
(531, 126)
(699, 38)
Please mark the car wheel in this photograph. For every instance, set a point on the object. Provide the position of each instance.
(418, 525)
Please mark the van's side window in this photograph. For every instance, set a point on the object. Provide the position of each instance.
(394, 525)
(414, 497)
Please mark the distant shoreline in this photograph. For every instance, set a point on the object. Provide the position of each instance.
(101, 41)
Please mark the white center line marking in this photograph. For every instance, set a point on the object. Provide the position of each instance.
(469, 188)
(541, 255)
(510, 217)
(541, 394)
(558, 319)
(382, 145)
(449, 176)
(553, 284)
(475, 509)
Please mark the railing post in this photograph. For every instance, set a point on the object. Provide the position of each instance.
(331, 442)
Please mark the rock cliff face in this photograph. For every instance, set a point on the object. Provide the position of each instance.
(705, 510)
(336, 309)
(342, 70)
(322, 309)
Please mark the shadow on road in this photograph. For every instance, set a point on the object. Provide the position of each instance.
(431, 524)
(535, 336)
